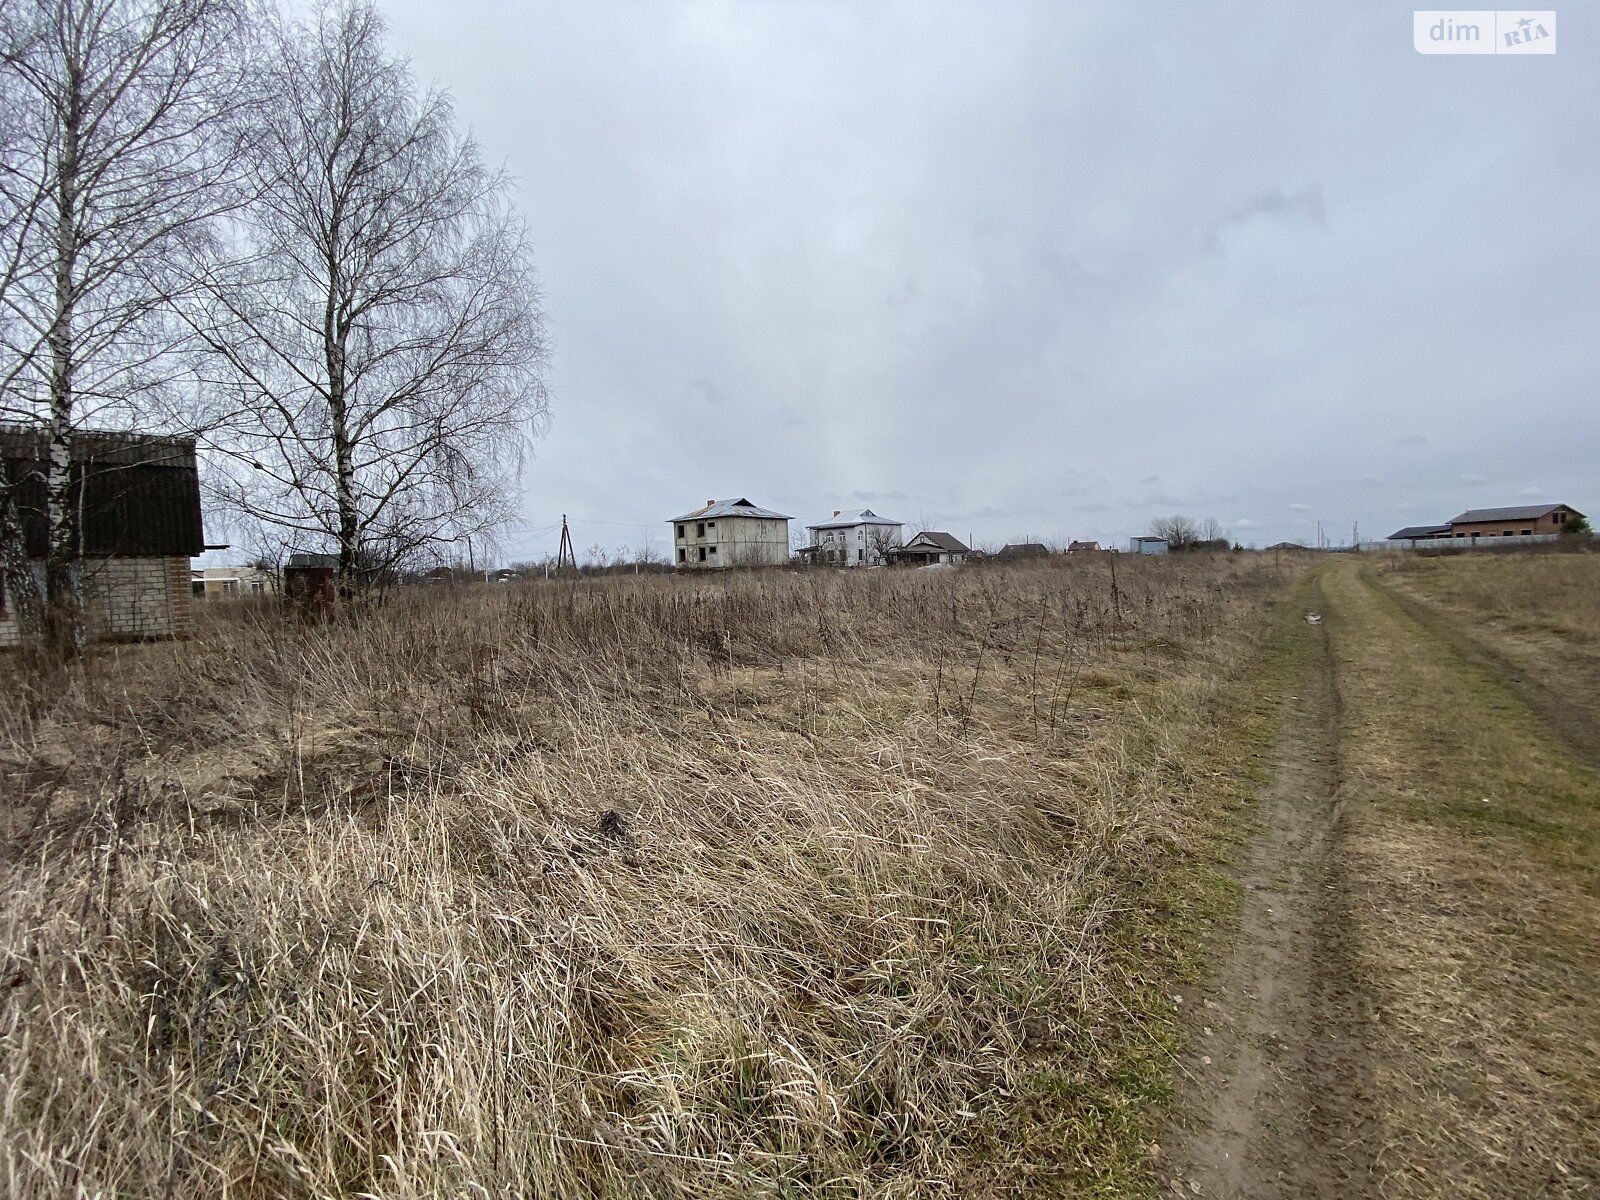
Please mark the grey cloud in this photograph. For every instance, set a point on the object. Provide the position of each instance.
(1302, 209)
(1411, 439)
(705, 391)
(877, 497)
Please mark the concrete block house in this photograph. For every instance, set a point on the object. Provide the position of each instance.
(139, 498)
(730, 533)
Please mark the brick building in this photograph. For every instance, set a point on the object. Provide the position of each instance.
(139, 499)
(1525, 520)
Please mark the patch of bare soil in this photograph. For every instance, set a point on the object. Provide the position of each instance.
(1276, 1082)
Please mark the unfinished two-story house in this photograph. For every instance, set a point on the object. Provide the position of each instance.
(730, 533)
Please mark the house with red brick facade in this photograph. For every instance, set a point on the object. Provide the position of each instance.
(1520, 521)
(139, 503)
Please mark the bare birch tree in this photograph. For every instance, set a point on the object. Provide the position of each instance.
(383, 350)
(118, 151)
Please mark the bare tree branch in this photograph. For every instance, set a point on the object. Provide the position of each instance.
(380, 353)
(121, 148)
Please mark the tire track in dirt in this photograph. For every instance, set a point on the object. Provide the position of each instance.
(1574, 725)
(1279, 1074)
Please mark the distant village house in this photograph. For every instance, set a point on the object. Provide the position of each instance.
(857, 537)
(932, 548)
(1530, 522)
(213, 582)
(730, 533)
(139, 500)
(1147, 544)
(1082, 547)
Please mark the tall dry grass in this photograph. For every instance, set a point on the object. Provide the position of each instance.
(784, 885)
(1526, 590)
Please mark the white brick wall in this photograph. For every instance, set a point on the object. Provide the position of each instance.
(129, 598)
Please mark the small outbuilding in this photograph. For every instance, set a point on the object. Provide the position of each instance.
(138, 500)
(1147, 544)
(730, 533)
(1412, 534)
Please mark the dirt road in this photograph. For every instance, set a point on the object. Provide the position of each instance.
(1404, 1010)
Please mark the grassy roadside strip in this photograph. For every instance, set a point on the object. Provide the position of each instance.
(1546, 670)
(1471, 854)
(1203, 745)
(1554, 708)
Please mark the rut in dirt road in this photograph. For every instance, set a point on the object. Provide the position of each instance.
(1277, 1074)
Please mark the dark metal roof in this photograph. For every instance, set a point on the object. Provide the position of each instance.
(1419, 531)
(1518, 512)
(139, 495)
(1023, 550)
(935, 540)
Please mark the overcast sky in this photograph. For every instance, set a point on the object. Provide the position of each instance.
(1042, 269)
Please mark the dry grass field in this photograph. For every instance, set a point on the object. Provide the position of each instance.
(770, 885)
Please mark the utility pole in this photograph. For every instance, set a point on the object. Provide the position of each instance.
(565, 556)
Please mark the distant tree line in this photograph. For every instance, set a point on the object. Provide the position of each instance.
(1184, 533)
(257, 228)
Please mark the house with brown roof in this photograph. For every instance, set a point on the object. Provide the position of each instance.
(138, 499)
(932, 547)
(1077, 547)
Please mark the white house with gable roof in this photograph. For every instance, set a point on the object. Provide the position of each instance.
(730, 533)
(858, 537)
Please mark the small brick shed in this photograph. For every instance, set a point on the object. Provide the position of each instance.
(140, 502)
